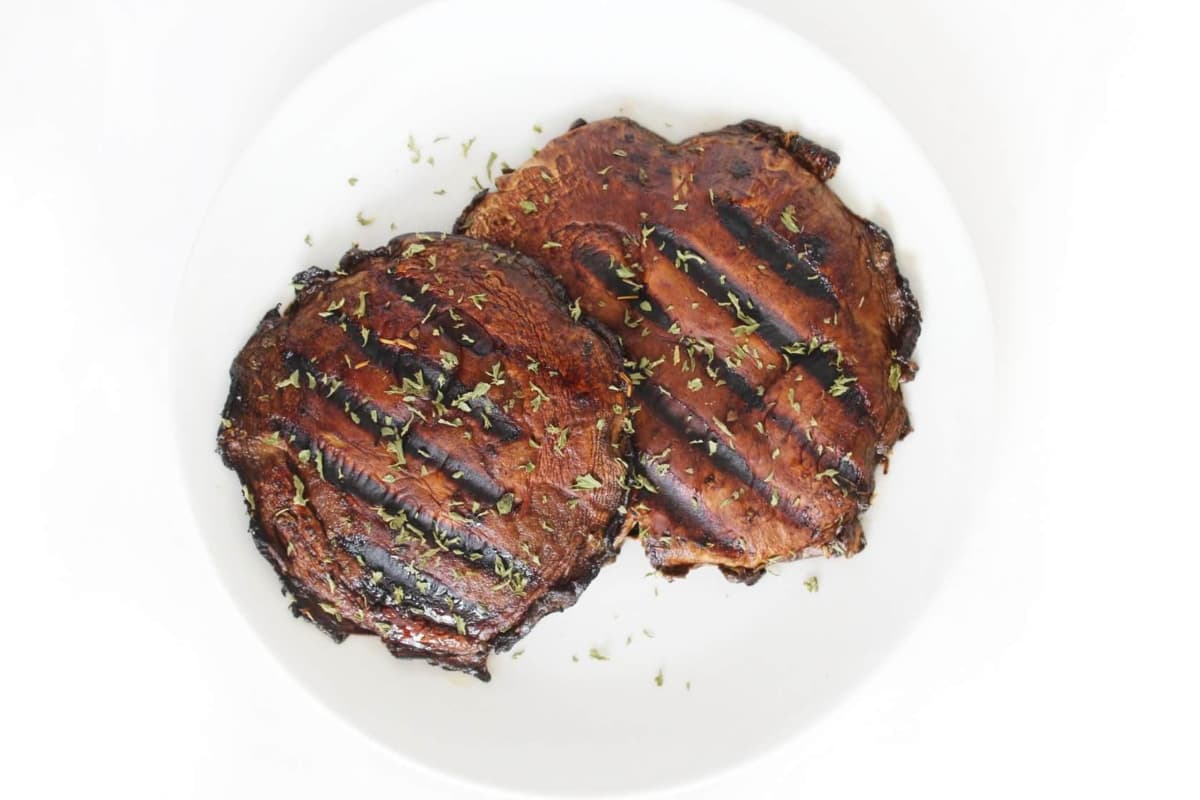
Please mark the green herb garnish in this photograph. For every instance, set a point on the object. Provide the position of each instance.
(841, 385)
(789, 220)
(539, 396)
(396, 448)
(299, 499)
(586, 482)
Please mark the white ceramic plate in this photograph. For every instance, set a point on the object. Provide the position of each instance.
(745, 669)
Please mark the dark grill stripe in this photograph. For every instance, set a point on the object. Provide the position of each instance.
(828, 456)
(404, 364)
(603, 267)
(691, 427)
(849, 471)
(598, 264)
(679, 500)
(737, 382)
(773, 329)
(798, 267)
(477, 340)
(375, 419)
(718, 286)
(453, 539)
(422, 591)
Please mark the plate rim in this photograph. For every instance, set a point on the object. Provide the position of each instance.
(329, 65)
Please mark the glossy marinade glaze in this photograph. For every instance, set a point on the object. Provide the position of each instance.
(433, 448)
(766, 327)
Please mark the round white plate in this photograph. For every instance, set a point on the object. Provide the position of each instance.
(744, 669)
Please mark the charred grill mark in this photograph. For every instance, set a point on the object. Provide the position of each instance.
(403, 554)
(853, 476)
(405, 516)
(604, 268)
(404, 364)
(693, 428)
(849, 471)
(774, 330)
(827, 456)
(738, 384)
(718, 286)
(680, 501)
(465, 329)
(796, 265)
(723, 456)
(375, 419)
(418, 589)
(477, 483)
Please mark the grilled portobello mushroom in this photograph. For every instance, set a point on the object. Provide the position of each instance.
(432, 449)
(766, 327)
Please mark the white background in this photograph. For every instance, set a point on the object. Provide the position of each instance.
(1060, 657)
